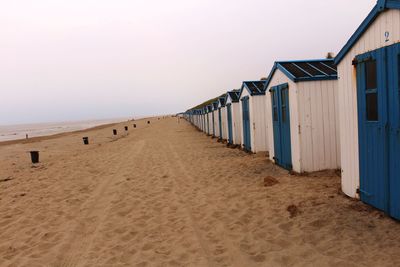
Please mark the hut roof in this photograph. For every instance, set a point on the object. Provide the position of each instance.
(253, 87)
(234, 95)
(305, 70)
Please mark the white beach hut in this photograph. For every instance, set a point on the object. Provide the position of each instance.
(209, 120)
(222, 119)
(302, 114)
(234, 122)
(252, 110)
(369, 108)
(215, 119)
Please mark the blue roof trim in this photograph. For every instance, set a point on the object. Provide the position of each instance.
(381, 6)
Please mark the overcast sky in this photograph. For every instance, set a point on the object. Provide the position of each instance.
(94, 59)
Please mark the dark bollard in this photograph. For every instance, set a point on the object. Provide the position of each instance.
(126, 128)
(114, 132)
(85, 140)
(34, 156)
(134, 126)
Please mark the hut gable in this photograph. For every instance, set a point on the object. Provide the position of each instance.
(381, 7)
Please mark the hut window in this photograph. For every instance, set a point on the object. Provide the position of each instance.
(275, 108)
(283, 102)
(370, 68)
(372, 107)
(371, 90)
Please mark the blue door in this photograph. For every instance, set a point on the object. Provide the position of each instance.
(394, 130)
(246, 124)
(379, 128)
(281, 125)
(220, 123)
(229, 116)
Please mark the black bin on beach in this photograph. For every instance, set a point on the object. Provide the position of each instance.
(85, 140)
(126, 128)
(34, 156)
(114, 132)
(148, 122)
(134, 126)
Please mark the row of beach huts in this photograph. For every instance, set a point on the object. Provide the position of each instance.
(311, 115)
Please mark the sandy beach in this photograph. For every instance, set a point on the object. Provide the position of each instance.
(167, 195)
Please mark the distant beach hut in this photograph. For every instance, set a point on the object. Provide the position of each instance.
(369, 108)
(302, 110)
(252, 110)
(222, 118)
(209, 119)
(205, 118)
(234, 122)
(215, 119)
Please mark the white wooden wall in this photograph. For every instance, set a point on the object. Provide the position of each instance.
(259, 124)
(210, 123)
(237, 123)
(319, 127)
(224, 124)
(372, 39)
(204, 122)
(216, 123)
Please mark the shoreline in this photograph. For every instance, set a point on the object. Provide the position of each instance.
(54, 136)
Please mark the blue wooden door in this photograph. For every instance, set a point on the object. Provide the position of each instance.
(379, 128)
(394, 129)
(281, 125)
(220, 123)
(229, 117)
(372, 121)
(246, 124)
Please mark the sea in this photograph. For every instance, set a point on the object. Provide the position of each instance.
(15, 132)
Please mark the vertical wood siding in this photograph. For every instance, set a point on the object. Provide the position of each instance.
(319, 134)
(224, 123)
(216, 123)
(237, 124)
(372, 39)
(210, 123)
(259, 124)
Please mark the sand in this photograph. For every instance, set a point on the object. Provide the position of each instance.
(167, 195)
